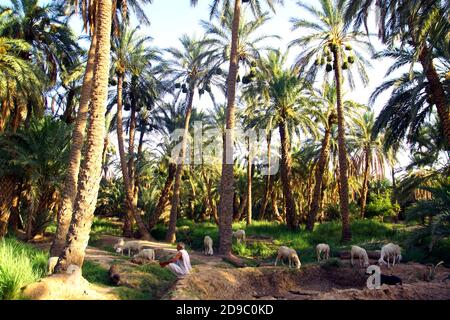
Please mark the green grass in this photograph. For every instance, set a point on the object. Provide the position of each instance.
(132, 294)
(369, 233)
(148, 282)
(95, 273)
(20, 264)
(102, 226)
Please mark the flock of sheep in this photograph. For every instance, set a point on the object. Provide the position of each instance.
(390, 252)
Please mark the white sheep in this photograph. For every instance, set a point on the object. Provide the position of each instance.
(361, 253)
(323, 248)
(388, 251)
(119, 243)
(290, 254)
(148, 254)
(129, 245)
(208, 243)
(239, 235)
(51, 264)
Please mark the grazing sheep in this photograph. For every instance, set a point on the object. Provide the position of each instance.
(208, 243)
(361, 253)
(119, 244)
(290, 254)
(239, 235)
(323, 248)
(148, 254)
(129, 245)
(52, 261)
(390, 250)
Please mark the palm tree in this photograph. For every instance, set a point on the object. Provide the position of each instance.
(131, 57)
(90, 171)
(369, 153)
(436, 209)
(419, 25)
(195, 66)
(38, 156)
(69, 193)
(45, 28)
(326, 154)
(328, 100)
(226, 183)
(20, 81)
(283, 93)
(329, 40)
(409, 105)
(167, 118)
(250, 43)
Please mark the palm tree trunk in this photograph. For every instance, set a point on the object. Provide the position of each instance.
(105, 150)
(275, 210)
(365, 183)
(320, 169)
(249, 185)
(128, 223)
(171, 232)
(8, 186)
(343, 186)
(131, 162)
(90, 172)
(163, 198)
(131, 168)
(210, 200)
(267, 186)
(14, 219)
(227, 179)
(242, 205)
(67, 116)
(437, 92)
(137, 181)
(286, 176)
(132, 209)
(69, 193)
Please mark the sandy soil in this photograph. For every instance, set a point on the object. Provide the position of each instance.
(311, 282)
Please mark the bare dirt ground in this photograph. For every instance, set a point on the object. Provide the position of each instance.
(214, 279)
(311, 282)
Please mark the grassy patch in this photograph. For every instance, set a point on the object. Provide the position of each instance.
(370, 234)
(132, 294)
(20, 264)
(145, 282)
(105, 226)
(331, 264)
(95, 273)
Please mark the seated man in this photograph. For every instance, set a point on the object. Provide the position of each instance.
(180, 264)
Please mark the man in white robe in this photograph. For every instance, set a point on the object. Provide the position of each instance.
(180, 264)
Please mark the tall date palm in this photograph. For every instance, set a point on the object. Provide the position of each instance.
(227, 179)
(330, 43)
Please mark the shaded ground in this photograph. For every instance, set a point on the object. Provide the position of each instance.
(214, 279)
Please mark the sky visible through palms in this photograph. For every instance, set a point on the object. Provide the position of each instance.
(170, 19)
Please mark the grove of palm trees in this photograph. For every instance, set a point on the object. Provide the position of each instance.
(127, 137)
